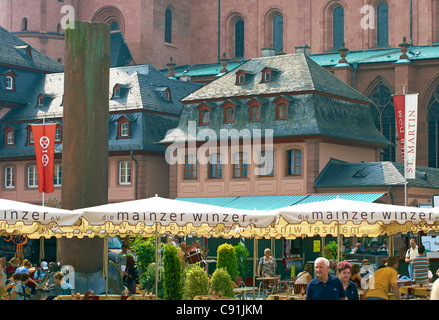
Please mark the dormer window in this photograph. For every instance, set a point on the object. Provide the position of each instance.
(123, 128)
(204, 114)
(30, 136)
(168, 94)
(281, 108)
(10, 81)
(9, 137)
(254, 110)
(229, 112)
(267, 75)
(240, 77)
(116, 91)
(40, 100)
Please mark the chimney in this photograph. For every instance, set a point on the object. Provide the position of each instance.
(268, 52)
(171, 66)
(224, 61)
(306, 49)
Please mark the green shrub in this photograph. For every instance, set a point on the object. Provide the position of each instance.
(147, 281)
(226, 258)
(196, 282)
(242, 254)
(221, 282)
(172, 273)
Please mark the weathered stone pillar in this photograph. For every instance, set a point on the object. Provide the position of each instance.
(85, 135)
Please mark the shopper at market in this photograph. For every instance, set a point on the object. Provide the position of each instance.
(324, 286)
(411, 253)
(421, 266)
(130, 274)
(267, 264)
(344, 271)
(305, 276)
(355, 275)
(384, 280)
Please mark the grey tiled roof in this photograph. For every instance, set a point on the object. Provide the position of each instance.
(149, 113)
(12, 53)
(296, 73)
(339, 174)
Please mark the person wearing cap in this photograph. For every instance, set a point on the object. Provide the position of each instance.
(40, 273)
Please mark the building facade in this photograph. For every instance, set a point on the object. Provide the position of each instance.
(195, 32)
(144, 104)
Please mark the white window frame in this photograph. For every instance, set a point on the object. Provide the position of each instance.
(124, 129)
(10, 138)
(32, 176)
(124, 172)
(10, 172)
(9, 83)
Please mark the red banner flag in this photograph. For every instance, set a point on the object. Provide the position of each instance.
(399, 102)
(44, 141)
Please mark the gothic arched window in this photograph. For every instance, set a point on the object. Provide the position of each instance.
(278, 33)
(433, 130)
(338, 27)
(383, 113)
(382, 24)
(239, 39)
(168, 26)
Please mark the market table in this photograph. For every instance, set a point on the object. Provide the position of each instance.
(416, 290)
(210, 297)
(244, 290)
(286, 297)
(107, 297)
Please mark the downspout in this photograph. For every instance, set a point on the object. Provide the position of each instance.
(411, 22)
(219, 27)
(355, 66)
(392, 198)
(136, 173)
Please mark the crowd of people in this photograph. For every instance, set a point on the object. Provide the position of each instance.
(19, 279)
(344, 280)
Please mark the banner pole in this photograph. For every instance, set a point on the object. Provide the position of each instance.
(405, 160)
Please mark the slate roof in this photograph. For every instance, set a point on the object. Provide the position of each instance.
(12, 53)
(298, 74)
(340, 174)
(138, 94)
(297, 79)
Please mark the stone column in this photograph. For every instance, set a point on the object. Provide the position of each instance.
(85, 135)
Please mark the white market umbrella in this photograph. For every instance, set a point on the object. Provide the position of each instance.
(24, 218)
(172, 215)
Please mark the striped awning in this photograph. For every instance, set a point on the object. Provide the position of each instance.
(276, 202)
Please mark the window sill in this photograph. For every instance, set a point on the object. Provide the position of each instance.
(167, 44)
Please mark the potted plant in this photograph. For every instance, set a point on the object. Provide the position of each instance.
(172, 273)
(242, 254)
(221, 283)
(226, 258)
(196, 281)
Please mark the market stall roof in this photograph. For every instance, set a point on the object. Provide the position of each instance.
(26, 219)
(275, 202)
(156, 214)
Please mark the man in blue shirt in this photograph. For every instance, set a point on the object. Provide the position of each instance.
(324, 286)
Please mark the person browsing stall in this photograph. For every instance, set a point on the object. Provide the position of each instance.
(325, 286)
(385, 279)
(267, 264)
(344, 271)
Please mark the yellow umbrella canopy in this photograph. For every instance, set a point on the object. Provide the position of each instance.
(156, 214)
(354, 218)
(26, 219)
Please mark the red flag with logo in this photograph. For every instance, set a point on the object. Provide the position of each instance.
(44, 141)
